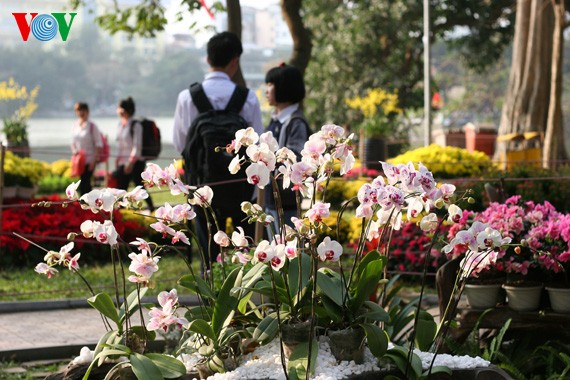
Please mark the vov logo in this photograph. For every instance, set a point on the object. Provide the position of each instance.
(44, 26)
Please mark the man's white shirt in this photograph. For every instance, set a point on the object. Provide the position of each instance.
(219, 89)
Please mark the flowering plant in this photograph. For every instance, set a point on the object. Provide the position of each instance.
(298, 269)
(379, 109)
(537, 232)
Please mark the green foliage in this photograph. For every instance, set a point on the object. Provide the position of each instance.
(531, 183)
(53, 184)
(378, 43)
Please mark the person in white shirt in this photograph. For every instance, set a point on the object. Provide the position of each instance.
(130, 162)
(224, 51)
(87, 137)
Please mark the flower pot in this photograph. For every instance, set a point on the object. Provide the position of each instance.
(559, 299)
(347, 344)
(294, 333)
(26, 192)
(523, 298)
(10, 192)
(482, 296)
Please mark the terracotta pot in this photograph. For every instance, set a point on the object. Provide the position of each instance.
(523, 298)
(483, 296)
(347, 344)
(559, 299)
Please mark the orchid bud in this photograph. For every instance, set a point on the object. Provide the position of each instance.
(245, 206)
(471, 200)
(71, 236)
(518, 250)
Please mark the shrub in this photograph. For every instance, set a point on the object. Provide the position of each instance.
(47, 223)
(25, 167)
(447, 162)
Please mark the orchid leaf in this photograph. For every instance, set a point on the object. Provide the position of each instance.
(144, 368)
(197, 285)
(104, 304)
(132, 303)
(200, 326)
(375, 312)
(226, 303)
(298, 361)
(426, 329)
(170, 367)
(377, 339)
(331, 288)
(267, 329)
(294, 273)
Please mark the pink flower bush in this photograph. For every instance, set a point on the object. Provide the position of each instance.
(539, 236)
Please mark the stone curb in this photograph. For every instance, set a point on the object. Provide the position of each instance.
(30, 306)
(59, 352)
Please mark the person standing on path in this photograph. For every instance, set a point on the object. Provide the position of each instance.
(285, 90)
(223, 51)
(130, 162)
(87, 137)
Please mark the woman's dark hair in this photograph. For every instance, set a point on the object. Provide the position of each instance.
(222, 48)
(128, 105)
(288, 82)
(81, 106)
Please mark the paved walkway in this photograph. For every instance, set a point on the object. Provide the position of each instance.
(52, 330)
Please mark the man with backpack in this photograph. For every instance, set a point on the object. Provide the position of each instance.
(207, 116)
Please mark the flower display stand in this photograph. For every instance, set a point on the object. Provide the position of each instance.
(559, 299)
(544, 319)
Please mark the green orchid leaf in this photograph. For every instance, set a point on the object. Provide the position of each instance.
(198, 312)
(298, 360)
(426, 329)
(330, 287)
(104, 304)
(101, 357)
(367, 259)
(216, 364)
(399, 355)
(197, 285)
(200, 326)
(226, 304)
(375, 312)
(267, 329)
(377, 339)
(243, 302)
(143, 333)
(253, 275)
(332, 311)
(367, 283)
(109, 338)
(305, 262)
(437, 369)
(170, 367)
(144, 368)
(132, 302)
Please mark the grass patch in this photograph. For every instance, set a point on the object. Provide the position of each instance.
(26, 284)
(10, 370)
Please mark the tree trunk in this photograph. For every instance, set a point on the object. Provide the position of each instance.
(302, 45)
(528, 97)
(554, 138)
(234, 26)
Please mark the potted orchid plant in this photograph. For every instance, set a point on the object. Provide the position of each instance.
(294, 271)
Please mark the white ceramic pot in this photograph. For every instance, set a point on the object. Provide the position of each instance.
(523, 298)
(559, 299)
(482, 296)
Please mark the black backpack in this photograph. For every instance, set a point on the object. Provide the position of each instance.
(151, 144)
(213, 129)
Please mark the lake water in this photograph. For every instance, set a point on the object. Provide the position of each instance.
(50, 139)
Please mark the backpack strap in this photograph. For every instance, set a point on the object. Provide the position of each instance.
(237, 101)
(199, 98)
